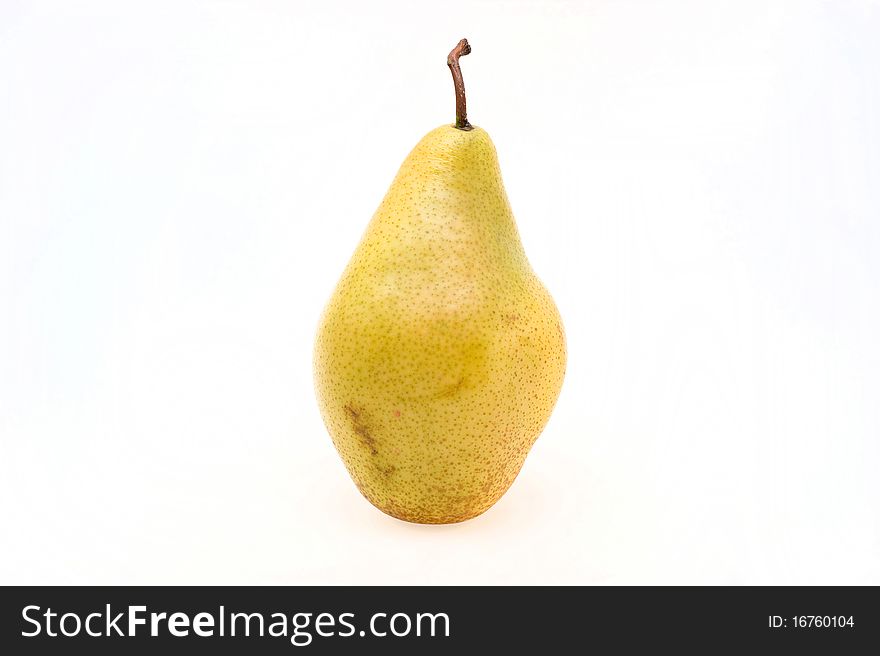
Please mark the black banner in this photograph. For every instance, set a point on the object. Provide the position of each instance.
(407, 620)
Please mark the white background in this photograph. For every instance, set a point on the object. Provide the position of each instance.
(697, 183)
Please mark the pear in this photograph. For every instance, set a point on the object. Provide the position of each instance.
(440, 355)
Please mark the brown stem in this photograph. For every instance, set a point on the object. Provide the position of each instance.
(463, 48)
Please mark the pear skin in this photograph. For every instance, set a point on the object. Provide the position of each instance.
(440, 355)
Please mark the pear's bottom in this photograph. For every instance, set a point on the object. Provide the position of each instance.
(415, 517)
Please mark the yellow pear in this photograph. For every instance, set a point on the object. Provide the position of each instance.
(440, 355)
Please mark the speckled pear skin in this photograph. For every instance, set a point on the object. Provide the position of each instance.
(440, 355)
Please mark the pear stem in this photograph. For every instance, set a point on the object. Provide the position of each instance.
(463, 48)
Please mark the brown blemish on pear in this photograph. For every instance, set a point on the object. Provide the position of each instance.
(360, 428)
